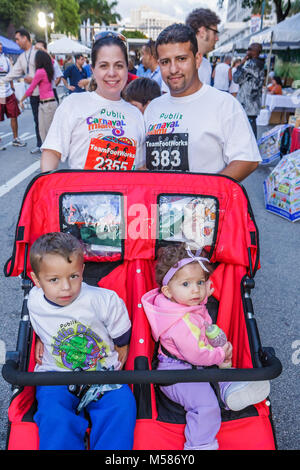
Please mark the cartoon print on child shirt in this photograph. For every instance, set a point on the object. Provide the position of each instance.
(78, 346)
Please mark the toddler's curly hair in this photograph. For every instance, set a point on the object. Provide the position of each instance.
(168, 256)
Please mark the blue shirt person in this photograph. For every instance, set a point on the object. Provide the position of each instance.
(75, 73)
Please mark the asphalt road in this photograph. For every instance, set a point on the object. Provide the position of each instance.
(276, 296)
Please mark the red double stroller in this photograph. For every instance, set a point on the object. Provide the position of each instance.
(122, 218)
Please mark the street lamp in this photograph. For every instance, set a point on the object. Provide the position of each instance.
(43, 23)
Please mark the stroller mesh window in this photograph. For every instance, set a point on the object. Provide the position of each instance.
(190, 219)
(95, 219)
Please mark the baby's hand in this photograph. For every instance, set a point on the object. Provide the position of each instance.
(39, 350)
(122, 353)
(228, 351)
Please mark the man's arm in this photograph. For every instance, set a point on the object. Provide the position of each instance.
(239, 170)
(50, 160)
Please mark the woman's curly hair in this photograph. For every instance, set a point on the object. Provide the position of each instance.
(168, 257)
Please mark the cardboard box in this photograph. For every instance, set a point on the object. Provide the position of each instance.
(278, 117)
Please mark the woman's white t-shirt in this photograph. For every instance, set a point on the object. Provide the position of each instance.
(81, 333)
(89, 131)
(201, 132)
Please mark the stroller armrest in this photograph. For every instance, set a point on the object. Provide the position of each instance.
(271, 369)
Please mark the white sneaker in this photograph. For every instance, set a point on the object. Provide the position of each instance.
(239, 395)
(18, 143)
(35, 150)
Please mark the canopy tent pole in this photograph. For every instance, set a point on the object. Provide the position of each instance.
(268, 71)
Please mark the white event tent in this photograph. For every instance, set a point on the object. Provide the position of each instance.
(67, 46)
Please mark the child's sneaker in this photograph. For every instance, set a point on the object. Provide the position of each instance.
(239, 395)
(18, 143)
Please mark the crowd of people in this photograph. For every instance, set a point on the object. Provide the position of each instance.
(114, 109)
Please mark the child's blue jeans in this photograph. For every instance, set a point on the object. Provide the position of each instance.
(113, 420)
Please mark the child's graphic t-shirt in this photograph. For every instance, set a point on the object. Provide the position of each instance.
(80, 334)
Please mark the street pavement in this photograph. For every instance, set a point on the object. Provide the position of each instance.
(275, 298)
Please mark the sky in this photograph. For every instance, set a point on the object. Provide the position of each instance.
(175, 8)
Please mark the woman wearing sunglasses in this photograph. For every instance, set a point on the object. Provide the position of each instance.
(98, 130)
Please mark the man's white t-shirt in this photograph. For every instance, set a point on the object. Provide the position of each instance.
(5, 88)
(81, 333)
(86, 125)
(221, 78)
(205, 71)
(202, 132)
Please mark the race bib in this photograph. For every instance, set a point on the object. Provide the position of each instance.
(110, 153)
(167, 152)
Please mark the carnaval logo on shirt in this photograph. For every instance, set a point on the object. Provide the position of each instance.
(109, 120)
(165, 127)
(78, 346)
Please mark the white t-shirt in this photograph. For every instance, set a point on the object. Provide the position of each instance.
(234, 87)
(86, 124)
(79, 334)
(221, 79)
(204, 71)
(5, 88)
(202, 132)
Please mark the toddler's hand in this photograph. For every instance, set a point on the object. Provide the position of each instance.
(228, 351)
(39, 350)
(122, 354)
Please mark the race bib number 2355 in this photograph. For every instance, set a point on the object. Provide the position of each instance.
(110, 155)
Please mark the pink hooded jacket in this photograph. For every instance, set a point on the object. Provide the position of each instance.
(181, 329)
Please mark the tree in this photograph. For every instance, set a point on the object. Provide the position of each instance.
(282, 7)
(133, 34)
(98, 11)
(24, 13)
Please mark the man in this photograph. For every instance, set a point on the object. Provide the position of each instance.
(195, 127)
(75, 73)
(222, 74)
(204, 23)
(250, 77)
(8, 100)
(150, 63)
(41, 45)
(25, 67)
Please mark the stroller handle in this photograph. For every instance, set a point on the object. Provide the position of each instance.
(271, 369)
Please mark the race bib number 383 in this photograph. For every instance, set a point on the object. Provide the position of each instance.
(167, 152)
(110, 154)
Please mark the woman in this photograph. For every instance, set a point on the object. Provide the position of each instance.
(276, 86)
(43, 78)
(98, 129)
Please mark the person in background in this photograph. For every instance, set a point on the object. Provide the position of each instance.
(43, 79)
(276, 86)
(75, 73)
(67, 62)
(87, 67)
(8, 101)
(41, 45)
(25, 67)
(141, 91)
(150, 63)
(222, 74)
(204, 22)
(234, 87)
(250, 76)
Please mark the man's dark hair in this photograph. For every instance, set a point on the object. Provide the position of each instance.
(175, 33)
(142, 90)
(78, 56)
(23, 32)
(202, 17)
(42, 42)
